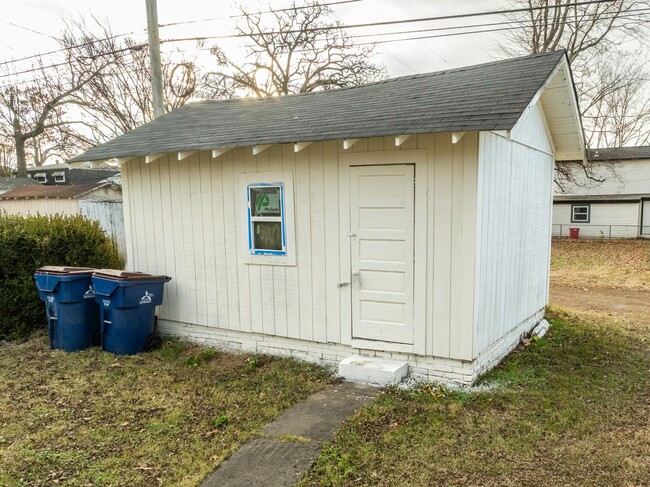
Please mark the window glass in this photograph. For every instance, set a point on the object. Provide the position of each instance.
(265, 201)
(266, 219)
(267, 235)
(579, 213)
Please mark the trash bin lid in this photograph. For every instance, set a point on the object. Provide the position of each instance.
(56, 270)
(119, 275)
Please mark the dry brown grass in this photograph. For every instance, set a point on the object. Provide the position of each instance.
(602, 263)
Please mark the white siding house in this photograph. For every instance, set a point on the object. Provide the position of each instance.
(100, 201)
(408, 219)
(612, 202)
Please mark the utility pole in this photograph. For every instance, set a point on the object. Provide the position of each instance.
(154, 57)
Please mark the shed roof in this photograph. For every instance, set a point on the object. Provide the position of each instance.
(69, 191)
(483, 97)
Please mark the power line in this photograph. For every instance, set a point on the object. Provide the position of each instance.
(328, 28)
(288, 9)
(401, 21)
(518, 25)
(136, 47)
(491, 24)
(56, 51)
(453, 34)
(27, 29)
(94, 41)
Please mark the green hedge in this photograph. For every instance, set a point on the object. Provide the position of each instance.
(27, 243)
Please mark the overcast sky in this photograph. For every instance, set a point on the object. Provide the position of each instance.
(400, 58)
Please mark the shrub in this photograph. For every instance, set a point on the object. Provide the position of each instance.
(27, 243)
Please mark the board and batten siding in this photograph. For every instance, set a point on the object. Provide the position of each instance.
(514, 228)
(183, 219)
(40, 206)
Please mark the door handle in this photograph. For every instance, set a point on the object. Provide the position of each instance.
(356, 273)
(343, 284)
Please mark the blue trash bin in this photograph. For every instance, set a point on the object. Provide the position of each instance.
(70, 307)
(127, 302)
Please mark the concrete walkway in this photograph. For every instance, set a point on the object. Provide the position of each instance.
(291, 442)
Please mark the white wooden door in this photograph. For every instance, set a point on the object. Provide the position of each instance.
(381, 233)
(645, 220)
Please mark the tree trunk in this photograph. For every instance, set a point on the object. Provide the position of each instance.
(21, 161)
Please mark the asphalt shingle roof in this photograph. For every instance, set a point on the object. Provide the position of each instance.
(11, 183)
(488, 96)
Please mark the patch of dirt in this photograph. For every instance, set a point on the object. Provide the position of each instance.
(611, 300)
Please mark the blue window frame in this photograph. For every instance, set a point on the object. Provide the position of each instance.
(266, 219)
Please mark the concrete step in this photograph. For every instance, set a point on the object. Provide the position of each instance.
(375, 371)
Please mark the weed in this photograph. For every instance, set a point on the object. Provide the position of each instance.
(172, 349)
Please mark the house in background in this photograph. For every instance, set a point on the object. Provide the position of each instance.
(100, 200)
(406, 222)
(614, 202)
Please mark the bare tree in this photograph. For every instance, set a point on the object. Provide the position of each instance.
(610, 82)
(296, 50)
(578, 27)
(616, 109)
(121, 99)
(97, 89)
(593, 35)
(31, 109)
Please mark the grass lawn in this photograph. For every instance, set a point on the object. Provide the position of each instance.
(164, 418)
(570, 409)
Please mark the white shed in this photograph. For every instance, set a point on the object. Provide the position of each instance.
(612, 201)
(408, 219)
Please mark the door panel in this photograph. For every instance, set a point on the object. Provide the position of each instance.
(381, 234)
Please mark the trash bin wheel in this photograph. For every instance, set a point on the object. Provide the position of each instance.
(97, 339)
(153, 342)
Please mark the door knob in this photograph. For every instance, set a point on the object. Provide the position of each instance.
(355, 273)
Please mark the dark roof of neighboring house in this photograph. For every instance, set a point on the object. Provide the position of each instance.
(600, 198)
(11, 183)
(74, 175)
(43, 191)
(620, 153)
(488, 96)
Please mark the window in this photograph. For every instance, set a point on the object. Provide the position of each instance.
(267, 218)
(59, 177)
(266, 232)
(580, 213)
(40, 177)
